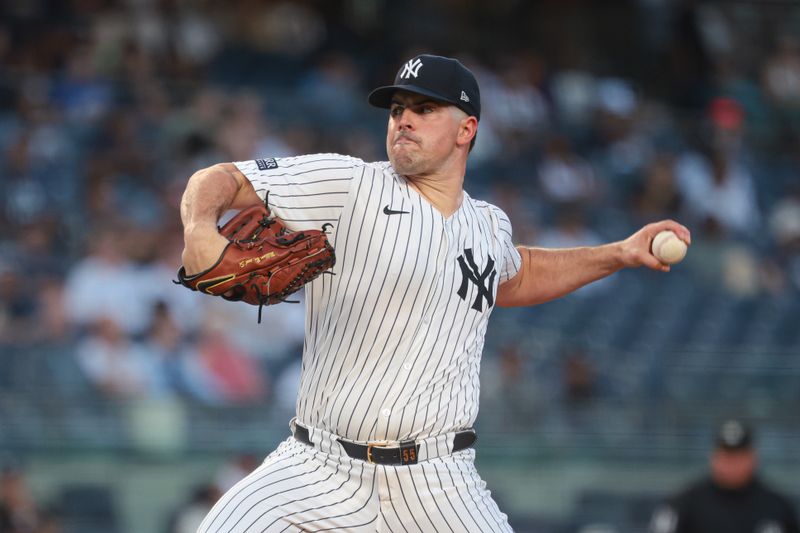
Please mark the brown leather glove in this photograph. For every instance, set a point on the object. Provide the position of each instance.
(264, 262)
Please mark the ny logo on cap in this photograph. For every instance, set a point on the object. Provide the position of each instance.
(411, 68)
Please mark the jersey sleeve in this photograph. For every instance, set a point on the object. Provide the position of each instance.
(511, 260)
(304, 191)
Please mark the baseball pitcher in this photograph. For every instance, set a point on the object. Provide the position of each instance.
(382, 438)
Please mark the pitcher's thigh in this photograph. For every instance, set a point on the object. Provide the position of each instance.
(441, 495)
(298, 489)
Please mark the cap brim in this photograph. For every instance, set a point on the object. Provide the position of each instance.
(382, 96)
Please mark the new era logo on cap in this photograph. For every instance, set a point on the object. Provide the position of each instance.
(441, 78)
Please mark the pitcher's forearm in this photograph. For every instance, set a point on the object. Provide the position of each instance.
(209, 193)
(546, 274)
(572, 268)
(560, 271)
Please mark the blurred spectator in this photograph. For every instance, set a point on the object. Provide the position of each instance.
(189, 130)
(234, 470)
(80, 92)
(565, 176)
(743, 105)
(518, 110)
(196, 35)
(781, 79)
(732, 497)
(233, 375)
(657, 196)
(17, 308)
(177, 369)
(187, 518)
(275, 340)
(784, 218)
(623, 136)
(107, 285)
(24, 196)
(282, 27)
(727, 122)
(38, 245)
(488, 145)
(19, 512)
(717, 186)
(578, 377)
(186, 309)
(118, 366)
(784, 225)
(243, 128)
(506, 388)
(574, 96)
(52, 321)
(332, 88)
(523, 211)
(718, 261)
(616, 98)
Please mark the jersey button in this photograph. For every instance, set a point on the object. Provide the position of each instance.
(386, 413)
(406, 366)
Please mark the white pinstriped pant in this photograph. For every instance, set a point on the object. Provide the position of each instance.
(299, 488)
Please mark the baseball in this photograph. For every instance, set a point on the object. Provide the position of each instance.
(668, 248)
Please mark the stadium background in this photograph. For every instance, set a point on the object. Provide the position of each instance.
(127, 402)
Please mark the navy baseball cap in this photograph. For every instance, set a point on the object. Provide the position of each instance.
(734, 435)
(441, 78)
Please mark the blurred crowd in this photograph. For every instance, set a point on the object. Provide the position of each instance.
(106, 108)
(85, 506)
(588, 131)
(20, 512)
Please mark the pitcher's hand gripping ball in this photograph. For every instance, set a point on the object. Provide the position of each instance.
(668, 247)
(264, 262)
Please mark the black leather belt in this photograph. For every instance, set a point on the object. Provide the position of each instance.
(404, 454)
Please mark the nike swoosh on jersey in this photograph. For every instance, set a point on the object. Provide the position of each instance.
(387, 211)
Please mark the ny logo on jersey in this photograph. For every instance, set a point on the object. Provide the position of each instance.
(411, 68)
(471, 272)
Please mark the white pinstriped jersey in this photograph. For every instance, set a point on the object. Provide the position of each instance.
(393, 340)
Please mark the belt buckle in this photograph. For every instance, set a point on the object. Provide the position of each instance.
(375, 444)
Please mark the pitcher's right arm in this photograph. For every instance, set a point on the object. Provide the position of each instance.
(209, 193)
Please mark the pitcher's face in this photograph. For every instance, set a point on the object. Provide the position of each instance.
(422, 133)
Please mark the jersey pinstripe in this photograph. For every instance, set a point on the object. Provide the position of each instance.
(393, 340)
(298, 488)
